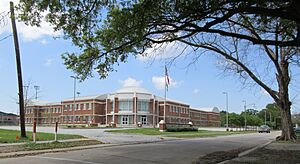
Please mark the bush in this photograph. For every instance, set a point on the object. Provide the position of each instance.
(181, 129)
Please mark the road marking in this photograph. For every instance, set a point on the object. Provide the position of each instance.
(65, 159)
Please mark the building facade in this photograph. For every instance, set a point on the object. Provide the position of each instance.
(8, 119)
(129, 106)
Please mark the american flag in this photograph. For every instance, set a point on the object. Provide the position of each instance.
(167, 80)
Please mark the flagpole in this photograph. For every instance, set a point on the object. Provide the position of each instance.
(165, 94)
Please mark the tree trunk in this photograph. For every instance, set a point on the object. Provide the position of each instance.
(287, 132)
(283, 101)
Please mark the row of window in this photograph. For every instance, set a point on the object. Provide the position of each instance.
(65, 119)
(53, 110)
(177, 109)
(47, 110)
(179, 120)
(127, 105)
(77, 118)
(197, 114)
(85, 106)
(43, 120)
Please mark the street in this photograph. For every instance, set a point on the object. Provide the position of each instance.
(176, 151)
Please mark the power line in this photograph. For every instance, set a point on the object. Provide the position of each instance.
(6, 37)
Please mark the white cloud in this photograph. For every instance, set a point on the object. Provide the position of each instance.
(48, 62)
(162, 51)
(131, 82)
(159, 82)
(27, 33)
(196, 91)
(44, 42)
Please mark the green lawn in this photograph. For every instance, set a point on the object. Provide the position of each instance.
(9, 136)
(200, 133)
(56, 145)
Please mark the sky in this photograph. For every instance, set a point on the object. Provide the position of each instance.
(201, 84)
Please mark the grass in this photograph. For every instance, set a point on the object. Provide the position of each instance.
(43, 146)
(200, 133)
(56, 145)
(9, 136)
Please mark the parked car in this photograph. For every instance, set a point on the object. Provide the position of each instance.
(264, 129)
(297, 130)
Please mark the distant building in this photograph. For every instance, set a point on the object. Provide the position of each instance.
(128, 106)
(8, 118)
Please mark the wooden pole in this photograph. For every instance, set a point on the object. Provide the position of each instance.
(56, 128)
(19, 71)
(34, 132)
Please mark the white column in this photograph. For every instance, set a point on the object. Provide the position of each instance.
(153, 110)
(135, 107)
(106, 109)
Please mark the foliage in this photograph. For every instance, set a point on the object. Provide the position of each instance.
(183, 129)
(296, 119)
(270, 113)
(190, 134)
(245, 35)
(239, 119)
(108, 31)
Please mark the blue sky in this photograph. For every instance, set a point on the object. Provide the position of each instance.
(201, 85)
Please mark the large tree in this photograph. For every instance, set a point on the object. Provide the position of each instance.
(246, 35)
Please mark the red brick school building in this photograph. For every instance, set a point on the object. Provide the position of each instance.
(128, 106)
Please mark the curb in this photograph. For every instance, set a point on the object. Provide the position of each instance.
(256, 147)
(35, 152)
(40, 142)
(247, 152)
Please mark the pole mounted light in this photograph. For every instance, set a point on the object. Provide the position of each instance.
(245, 106)
(36, 87)
(226, 110)
(74, 89)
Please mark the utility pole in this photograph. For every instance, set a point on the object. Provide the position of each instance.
(74, 77)
(36, 87)
(265, 117)
(19, 71)
(226, 110)
(245, 106)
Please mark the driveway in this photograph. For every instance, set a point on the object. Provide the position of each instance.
(98, 134)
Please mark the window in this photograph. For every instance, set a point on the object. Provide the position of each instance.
(77, 118)
(66, 107)
(125, 105)
(71, 107)
(143, 105)
(87, 106)
(144, 120)
(77, 106)
(125, 120)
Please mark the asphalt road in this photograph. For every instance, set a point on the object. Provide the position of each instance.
(175, 152)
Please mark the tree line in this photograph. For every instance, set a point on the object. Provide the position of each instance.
(270, 116)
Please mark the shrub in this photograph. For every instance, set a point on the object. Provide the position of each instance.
(181, 129)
